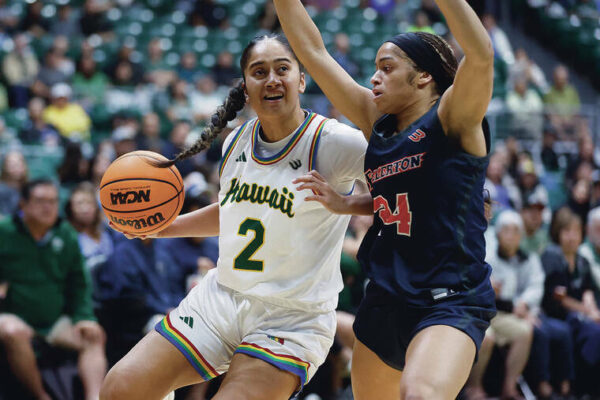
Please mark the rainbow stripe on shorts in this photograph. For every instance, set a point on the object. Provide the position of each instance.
(166, 329)
(282, 361)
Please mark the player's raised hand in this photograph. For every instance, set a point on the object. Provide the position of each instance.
(322, 192)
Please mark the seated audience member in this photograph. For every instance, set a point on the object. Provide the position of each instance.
(535, 236)
(95, 238)
(69, 118)
(20, 68)
(562, 102)
(518, 281)
(193, 256)
(13, 176)
(48, 292)
(590, 249)
(36, 130)
(569, 295)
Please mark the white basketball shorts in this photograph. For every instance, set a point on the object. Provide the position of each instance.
(214, 322)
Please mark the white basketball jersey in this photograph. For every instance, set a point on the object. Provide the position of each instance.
(273, 244)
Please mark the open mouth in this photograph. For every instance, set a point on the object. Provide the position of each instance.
(273, 97)
(376, 94)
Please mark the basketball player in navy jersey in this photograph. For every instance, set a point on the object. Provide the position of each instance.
(429, 300)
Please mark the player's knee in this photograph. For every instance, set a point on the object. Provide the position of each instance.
(418, 389)
(13, 330)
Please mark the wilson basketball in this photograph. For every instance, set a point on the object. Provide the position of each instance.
(139, 198)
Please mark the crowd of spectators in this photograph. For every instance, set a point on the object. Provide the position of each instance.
(57, 92)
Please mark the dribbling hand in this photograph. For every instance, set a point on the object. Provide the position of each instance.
(322, 191)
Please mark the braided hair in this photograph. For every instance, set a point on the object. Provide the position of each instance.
(235, 101)
(443, 49)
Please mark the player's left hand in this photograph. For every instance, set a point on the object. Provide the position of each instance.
(322, 192)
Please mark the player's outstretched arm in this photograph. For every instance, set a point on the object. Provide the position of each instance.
(350, 98)
(200, 223)
(464, 104)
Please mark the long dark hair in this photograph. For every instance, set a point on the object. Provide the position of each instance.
(235, 101)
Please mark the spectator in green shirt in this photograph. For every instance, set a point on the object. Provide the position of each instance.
(562, 101)
(46, 292)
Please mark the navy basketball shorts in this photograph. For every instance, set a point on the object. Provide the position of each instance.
(386, 323)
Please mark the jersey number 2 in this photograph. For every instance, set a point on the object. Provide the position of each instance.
(402, 217)
(243, 261)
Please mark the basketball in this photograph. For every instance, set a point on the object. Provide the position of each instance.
(138, 197)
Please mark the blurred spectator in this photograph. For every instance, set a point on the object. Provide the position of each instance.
(580, 198)
(585, 155)
(526, 68)
(74, 167)
(33, 22)
(569, 292)
(341, 54)
(7, 136)
(205, 98)
(421, 23)
(124, 55)
(60, 46)
(140, 272)
(179, 104)
(431, 9)
(66, 23)
(157, 69)
(49, 75)
(12, 178)
(89, 84)
(149, 137)
(93, 20)
(98, 165)
(123, 138)
(267, 19)
(177, 142)
(208, 13)
(526, 107)
(528, 181)
(518, 281)
(562, 101)
(193, 256)
(590, 249)
(124, 93)
(20, 68)
(69, 118)
(8, 18)
(35, 130)
(503, 191)
(535, 235)
(502, 47)
(548, 155)
(224, 71)
(48, 292)
(188, 68)
(95, 238)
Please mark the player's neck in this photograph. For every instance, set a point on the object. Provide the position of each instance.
(278, 128)
(414, 111)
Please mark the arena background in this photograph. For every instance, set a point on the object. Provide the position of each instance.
(82, 82)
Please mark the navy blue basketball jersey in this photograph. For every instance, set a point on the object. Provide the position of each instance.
(427, 240)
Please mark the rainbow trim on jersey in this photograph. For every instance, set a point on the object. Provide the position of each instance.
(231, 147)
(288, 147)
(282, 361)
(314, 147)
(166, 329)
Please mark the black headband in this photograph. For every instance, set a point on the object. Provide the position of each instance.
(425, 57)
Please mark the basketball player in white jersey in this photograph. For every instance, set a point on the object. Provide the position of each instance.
(266, 314)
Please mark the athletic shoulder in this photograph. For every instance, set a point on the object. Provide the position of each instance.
(343, 137)
(231, 136)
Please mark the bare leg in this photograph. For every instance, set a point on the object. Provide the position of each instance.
(515, 363)
(438, 361)
(249, 378)
(371, 377)
(16, 336)
(475, 389)
(92, 367)
(150, 371)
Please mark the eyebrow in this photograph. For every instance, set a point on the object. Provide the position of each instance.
(385, 58)
(285, 59)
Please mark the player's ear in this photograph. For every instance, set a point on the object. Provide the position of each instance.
(245, 90)
(302, 85)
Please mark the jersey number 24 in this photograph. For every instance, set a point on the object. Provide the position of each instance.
(402, 216)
